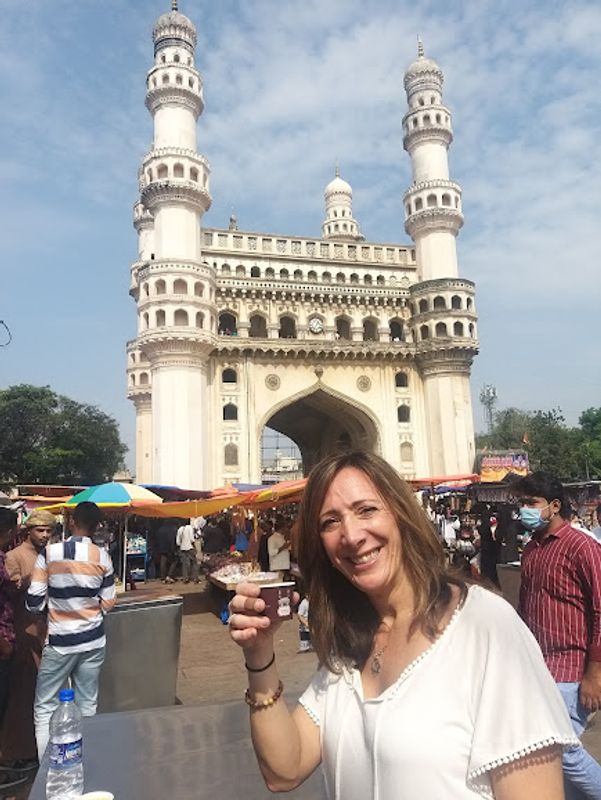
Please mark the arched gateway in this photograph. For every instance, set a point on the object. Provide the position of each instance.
(322, 422)
(333, 340)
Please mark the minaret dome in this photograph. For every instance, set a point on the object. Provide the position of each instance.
(339, 223)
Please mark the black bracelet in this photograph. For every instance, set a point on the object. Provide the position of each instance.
(261, 669)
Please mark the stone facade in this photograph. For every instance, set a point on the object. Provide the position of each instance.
(333, 341)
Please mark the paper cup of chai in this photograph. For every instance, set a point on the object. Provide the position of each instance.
(278, 600)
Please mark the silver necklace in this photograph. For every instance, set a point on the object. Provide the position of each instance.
(377, 660)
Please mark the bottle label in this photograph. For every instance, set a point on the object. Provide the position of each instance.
(65, 755)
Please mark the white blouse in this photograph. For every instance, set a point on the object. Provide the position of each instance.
(479, 697)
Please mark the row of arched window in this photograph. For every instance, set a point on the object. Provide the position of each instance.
(163, 172)
(439, 303)
(298, 275)
(179, 286)
(441, 329)
(230, 413)
(428, 119)
(181, 318)
(144, 380)
(179, 81)
(228, 326)
(176, 59)
(433, 201)
(341, 227)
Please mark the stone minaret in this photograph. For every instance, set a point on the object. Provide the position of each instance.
(339, 224)
(173, 288)
(443, 315)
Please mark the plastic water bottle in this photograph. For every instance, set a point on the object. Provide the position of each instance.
(65, 773)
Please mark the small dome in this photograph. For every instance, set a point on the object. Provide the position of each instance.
(173, 19)
(422, 65)
(338, 186)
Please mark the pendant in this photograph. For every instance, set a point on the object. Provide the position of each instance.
(376, 664)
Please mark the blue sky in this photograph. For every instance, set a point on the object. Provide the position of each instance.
(289, 88)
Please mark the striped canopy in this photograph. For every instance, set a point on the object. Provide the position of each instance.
(114, 494)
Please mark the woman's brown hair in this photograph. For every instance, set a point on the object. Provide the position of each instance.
(342, 619)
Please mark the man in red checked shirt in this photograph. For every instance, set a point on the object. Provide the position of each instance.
(560, 601)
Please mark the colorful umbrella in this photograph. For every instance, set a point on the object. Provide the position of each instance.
(113, 494)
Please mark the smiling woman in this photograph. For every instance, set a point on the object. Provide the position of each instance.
(410, 699)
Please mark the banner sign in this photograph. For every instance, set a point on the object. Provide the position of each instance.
(494, 465)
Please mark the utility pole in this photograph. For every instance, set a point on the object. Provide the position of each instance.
(488, 398)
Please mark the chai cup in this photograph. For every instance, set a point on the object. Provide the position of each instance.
(278, 600)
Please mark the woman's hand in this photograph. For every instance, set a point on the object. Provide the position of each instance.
(249, 627)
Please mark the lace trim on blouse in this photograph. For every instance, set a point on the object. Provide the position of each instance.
(310, 712)
(478, 779)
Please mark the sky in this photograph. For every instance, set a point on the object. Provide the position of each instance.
(291, 88)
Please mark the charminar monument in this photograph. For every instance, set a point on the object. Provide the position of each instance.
(333, 340)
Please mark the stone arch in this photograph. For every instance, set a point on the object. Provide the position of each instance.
(180, 286)
(160, 287)
(406, 453)
(287, 327)
(424, 332)
(441, 329)
(456, 302)
(162, 172)
(367, 280)
(258, 326)
(343, 327)
(178, 170)
(458, 329)
(326, 277)
(229, 375)
(439, 303)
(227, 323)
(423, 306)
(194, 174)
(340, 277)
(199, 289)
(226, 269)
(270, 272)
(298, 274)
(401, 380)
(240, 271)
(255, 272)
(395, 327)
(403, 413)
(431, 201)
(321, 421)
(230, 412)
(180, 317)
(200, 319)
(230, 455)
(160, 318)
(144, 380)
(419, 204)
(312, 275)
(370, 330)
(354, 278)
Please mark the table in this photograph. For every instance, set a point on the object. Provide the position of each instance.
(177, 753)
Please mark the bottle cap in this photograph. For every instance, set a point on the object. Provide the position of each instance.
(65, 695)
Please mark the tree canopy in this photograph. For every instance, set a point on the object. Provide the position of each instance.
(569, 453)
(48, 438)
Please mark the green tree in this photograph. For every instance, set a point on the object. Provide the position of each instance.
(49, 438)
(590, 445)
(551, 445)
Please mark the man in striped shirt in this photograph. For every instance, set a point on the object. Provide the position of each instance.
(74, 580)
(560, 601)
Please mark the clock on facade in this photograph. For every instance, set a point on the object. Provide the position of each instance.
(315, 325)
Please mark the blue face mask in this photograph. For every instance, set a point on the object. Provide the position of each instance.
(532, 519)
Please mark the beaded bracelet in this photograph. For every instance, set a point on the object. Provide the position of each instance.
(260, 669)
(261, 705)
